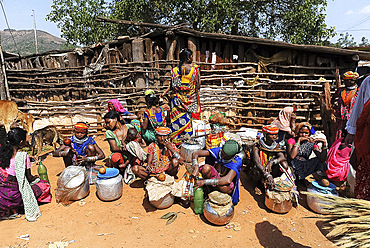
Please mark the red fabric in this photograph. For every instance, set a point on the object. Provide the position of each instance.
(338, 162)
(362, 144)
(117, 158)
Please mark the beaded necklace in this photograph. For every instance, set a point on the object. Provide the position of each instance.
(161, 161)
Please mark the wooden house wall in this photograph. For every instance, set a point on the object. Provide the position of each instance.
(80, 82)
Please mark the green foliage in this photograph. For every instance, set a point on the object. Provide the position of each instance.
(76, 19)
(346, 40)
(296, 21)
(364, 42)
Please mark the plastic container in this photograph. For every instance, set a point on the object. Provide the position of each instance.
(43, 172)
(109, 185)
(313, 202)
(198, 200)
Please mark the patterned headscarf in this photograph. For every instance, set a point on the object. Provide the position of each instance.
(81, 126)
(270, 129)
(162, 131)
(350, 75)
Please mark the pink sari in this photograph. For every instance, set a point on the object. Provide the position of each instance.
(338, 162)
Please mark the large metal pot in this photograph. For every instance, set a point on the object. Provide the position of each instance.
(109, 186)
(165, 202)
(313, 202)
(213, 217)
(281, 208)
(188, 149)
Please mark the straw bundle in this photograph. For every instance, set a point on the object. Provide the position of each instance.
(350, 219)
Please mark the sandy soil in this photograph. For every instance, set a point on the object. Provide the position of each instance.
(131, 222)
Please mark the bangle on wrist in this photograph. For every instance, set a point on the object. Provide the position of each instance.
(297, 145)
(176, 155)
(268, 175)
(195, 161)
(211, 182)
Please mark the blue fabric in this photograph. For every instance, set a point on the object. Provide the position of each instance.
(158, 116)
(126, 113)
(81, 148)
(235, 164)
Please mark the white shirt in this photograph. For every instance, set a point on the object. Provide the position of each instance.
(362, 97)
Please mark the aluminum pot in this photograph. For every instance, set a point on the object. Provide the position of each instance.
(109, 188)
(165, 202)
(313, 202)
(213, 217)
(281, 208)
(188, 149)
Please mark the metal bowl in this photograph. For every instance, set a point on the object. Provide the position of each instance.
(165, 202)
(281, 208)
(213, 217)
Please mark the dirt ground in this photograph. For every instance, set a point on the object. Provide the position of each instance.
(131, 222)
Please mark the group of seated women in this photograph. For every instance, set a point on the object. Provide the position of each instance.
(298, 151)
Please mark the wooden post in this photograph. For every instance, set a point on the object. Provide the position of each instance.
(326, 113)
(192, 45)
(4, 88)
(138, 56)
(148, 49)
(138, 50)
(170, 47)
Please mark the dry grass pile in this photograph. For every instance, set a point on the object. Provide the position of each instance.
(349, 218)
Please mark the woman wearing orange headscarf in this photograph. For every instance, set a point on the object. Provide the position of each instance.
(346, 99)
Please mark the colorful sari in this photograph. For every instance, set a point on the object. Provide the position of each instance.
(161, 162)
(346, 101)
(185, 103)
(155, 120)
(11, 196)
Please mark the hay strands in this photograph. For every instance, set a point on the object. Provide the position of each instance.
(349, 218)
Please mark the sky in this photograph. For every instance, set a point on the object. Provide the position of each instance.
(352, 16)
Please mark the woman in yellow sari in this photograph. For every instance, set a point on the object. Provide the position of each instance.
(185, 104)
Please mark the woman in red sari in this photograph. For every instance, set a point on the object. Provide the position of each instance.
(362, 144)
(185, 104)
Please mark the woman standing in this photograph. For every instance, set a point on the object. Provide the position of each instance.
(346, 99)
(185, 103)
(18, 188)
(154, 117)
